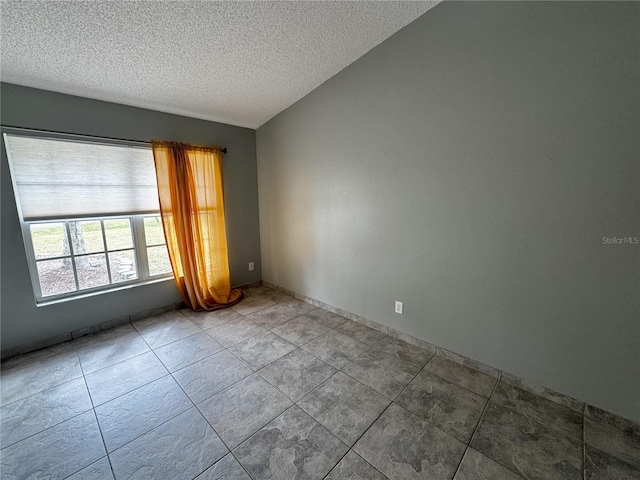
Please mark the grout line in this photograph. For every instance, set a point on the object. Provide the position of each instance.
(584, 442)
(484, 410)
(95, 415)
(466, 448)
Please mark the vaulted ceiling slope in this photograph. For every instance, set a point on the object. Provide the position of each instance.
(236, 62)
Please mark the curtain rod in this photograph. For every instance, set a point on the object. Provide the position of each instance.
(81, 136)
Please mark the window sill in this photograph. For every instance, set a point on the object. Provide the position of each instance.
(46, 303)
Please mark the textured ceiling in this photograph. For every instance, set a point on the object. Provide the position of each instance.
(234, 62)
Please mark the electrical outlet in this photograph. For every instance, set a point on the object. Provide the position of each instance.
(399, 307)
(252, 266)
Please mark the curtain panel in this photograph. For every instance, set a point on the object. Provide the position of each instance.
(192, 208)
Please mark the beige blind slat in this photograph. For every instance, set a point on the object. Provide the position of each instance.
(59, 179)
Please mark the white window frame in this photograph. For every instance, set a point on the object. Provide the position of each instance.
(139, 245)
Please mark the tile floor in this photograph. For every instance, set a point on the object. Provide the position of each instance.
(275, 389)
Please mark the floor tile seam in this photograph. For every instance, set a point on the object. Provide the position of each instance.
(584, 442)
(406, 386)
(484, 411)
(130, 391)
(219, 391)
(104, 443)
(88, 336)
(253, 433)
(42, 391)
(622, 460)
(538, 420)
(329, 378)
(228, 347)
(176, 340)
(146, 431)
(391, 400)
(149, 431)
(273, 420)
(118, 362)
(475, 431)
(496, 379)
(47, 428)
(351, 450)
(454, 384)
(229, 450)
(192, 363)
(122, 361)
(466, 448)
(217, 325)
(316, 388)
(86, 466)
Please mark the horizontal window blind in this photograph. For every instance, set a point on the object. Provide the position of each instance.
(58, 178)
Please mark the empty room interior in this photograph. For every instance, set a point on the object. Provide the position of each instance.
(313, 239)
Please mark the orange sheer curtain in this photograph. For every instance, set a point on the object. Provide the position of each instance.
(192, 209)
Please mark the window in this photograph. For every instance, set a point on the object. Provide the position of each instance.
(89, 213)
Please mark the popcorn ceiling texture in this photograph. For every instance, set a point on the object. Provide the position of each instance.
(239, 63)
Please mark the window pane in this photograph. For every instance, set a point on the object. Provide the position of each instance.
(118, 233)
(49, 240)
(123, 266)
(56, 276)
(158, 260)
(92, 271)
(153, 230)
(86, 237)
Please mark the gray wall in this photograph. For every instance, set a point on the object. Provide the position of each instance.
(22, 321)
(470, 166)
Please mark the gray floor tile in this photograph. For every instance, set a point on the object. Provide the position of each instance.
(294, 445)
(354, 467)
(602, 466)
(24, 375)
(403, 446)
(360, 332)
(252, 291)
(252, 304)
(541, 391)
(30, 415)
(111, 346)
(207, 377)
(527, 446)
(326, 318)
(123, 377)
(385, 374)
(462, 375)
(622, 443)
(335, 348)
(261, 350)
(241, 410)
(187, 351)
(235, 331)
(476, 466)
(206, 320)
(226, 469)
(297, 373)
(181, 448)
(280, 313)
(344, 406)
(300, 330)
(545, 411)
(129, 416)
(166, 328)
(275, 296)
(56, 452)
(404, 351)
(100, 470)
(450, 408)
